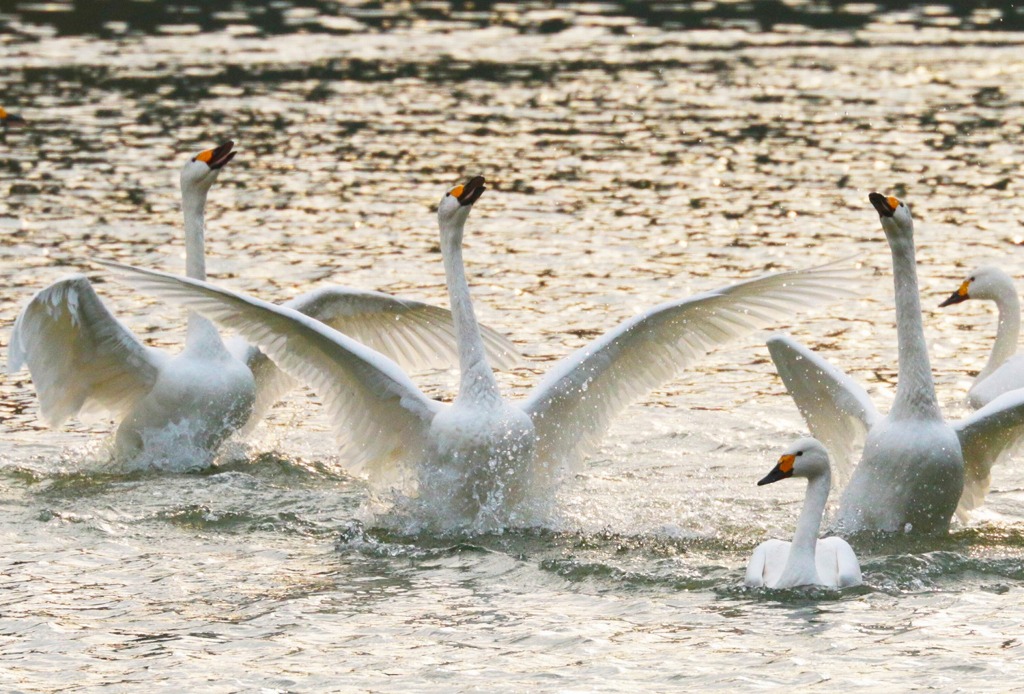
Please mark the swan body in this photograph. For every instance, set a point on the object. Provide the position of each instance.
(198, 399)
(82, 358)
(910, 476)
(476, 455)
(183, 407)
(1004, 370)
(807, 560)
(916, 469)
(482, 461)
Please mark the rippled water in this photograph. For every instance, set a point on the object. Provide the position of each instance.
(634, 154)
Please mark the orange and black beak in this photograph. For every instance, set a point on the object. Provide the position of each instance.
(470, 192)
(961, 294)
(781, 471)
(11, 120)
(886, 206)
(218, 157)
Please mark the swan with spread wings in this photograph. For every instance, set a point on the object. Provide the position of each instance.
(482, 457)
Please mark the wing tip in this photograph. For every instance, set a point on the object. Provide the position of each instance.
(778, 339)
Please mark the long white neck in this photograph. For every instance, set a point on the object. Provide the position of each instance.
(201, 333)
(1008, 332)
(915, 391)
(800, 567)
(476, 381)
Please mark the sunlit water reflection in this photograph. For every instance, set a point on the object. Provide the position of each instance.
(631, 159)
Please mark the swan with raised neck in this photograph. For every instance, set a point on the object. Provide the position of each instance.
(197, 177)
(1004, 370)
(482, 462)
(911, 471)
(911, 474)
(481, 449)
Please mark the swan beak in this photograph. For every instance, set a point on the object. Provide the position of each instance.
(781, 471)
(886, 206)
(471, 192)
(959, 295)
(12, 120)
(218, 157)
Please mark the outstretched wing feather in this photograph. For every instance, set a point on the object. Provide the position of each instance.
(380, 416)
(82, 359)
(837, 409)
(988, 437)
(574, 404)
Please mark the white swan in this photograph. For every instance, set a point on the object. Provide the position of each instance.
(807, 561)
(82, 359)
(1004, 370)
(482, 458)
(916, 469)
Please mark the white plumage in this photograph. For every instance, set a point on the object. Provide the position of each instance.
(177, 410)
(481, 459)
(916, 469)
(807, 560)
(1004, 370)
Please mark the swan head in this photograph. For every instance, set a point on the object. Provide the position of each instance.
(987, 282)
(11, 120)
(804, 458)
(894, 214)
(456, 204)
(201, 171)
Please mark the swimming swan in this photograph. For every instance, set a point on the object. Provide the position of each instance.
(807, 561)
(482, 456)
(83, 360)
(916, 469)
(1004, 370)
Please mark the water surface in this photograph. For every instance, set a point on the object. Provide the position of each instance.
(633, 155)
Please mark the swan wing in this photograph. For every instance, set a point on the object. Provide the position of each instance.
(81, 358)
(1009, 376)
(766, 563)
(272, 383)
(755, 567)
(573, 405)
(988, 436)
(837, 409)
(837, 563)
(416, 335)
(381, 417)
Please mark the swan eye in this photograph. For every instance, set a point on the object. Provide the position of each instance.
(799, 453)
